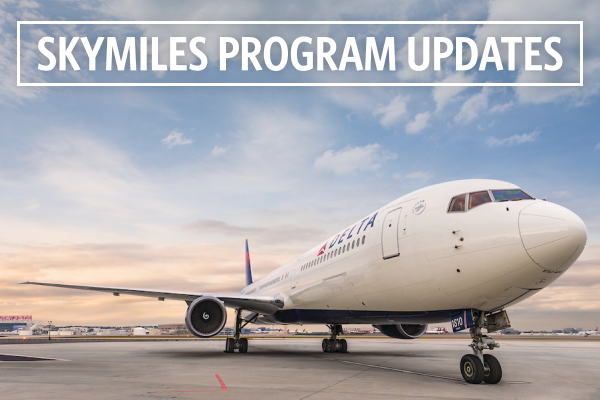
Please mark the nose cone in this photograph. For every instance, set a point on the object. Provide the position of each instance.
(553, 236)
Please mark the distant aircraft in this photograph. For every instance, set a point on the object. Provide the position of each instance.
(438, 330)
(589, 333)
(460, 251)
(358, 331)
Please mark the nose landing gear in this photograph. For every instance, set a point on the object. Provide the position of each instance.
(476, 368)
(237, 343)
(335, 345)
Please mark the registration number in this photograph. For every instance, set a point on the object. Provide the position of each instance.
(462, 320)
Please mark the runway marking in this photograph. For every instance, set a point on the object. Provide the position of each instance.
(223, 388)
(412, 372)
(337, 383)
(397, 370)
(17, 357)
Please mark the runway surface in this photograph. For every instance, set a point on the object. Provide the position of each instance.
(294, 369)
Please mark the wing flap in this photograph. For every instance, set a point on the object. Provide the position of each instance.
(258, 303)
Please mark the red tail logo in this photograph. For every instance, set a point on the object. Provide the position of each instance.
(322, 251)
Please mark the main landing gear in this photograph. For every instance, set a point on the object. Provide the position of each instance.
(237, 343)
(335, 345)
(479, 367)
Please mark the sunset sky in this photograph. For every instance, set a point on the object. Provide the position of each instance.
(159, 187)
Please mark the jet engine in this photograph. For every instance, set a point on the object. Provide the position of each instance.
(206, 316)
(402, 331)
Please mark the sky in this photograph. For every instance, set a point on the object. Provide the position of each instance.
(158, 187)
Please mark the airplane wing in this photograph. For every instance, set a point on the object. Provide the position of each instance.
(258, 303)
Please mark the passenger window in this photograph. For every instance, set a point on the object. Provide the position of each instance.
(343, 249)
(357, 242)
(478, 198)
(458, 204)
(353, 243)
(363, 240)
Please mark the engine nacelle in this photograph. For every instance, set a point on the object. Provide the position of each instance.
(402, 331)
(206, 316)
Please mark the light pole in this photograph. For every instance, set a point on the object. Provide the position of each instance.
(49, 329)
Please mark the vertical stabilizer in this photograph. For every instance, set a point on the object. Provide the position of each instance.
(248, 266)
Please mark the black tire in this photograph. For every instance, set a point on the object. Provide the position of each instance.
(344, 348)
(229, 345)
(471, 369)
(243, 345)
(324, 345)
(330, 346)
(492, 372)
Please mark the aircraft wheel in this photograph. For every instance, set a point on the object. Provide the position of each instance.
(344, 346)
(229, 345)
(492, 370)
(330, 346)
(243, 345)
(471, 369)
(324, 345)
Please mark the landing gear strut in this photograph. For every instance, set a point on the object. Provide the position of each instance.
(237, 343)
(479, 367)
(333, 344)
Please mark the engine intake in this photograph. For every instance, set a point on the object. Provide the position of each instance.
(402, 331)
(206, 316)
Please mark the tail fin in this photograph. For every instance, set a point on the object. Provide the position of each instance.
(248, 266)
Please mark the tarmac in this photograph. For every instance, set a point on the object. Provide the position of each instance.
(293, 368)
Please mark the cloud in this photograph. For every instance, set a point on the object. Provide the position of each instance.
(176, 139)
(444, 95)
(218, 151)
(351, 159)
(541, 10)
(474, 105)
(393, 112)
(214, 267)
(279, 234)
(405, 73)
(513, 140)
(500, 108)
(420, 122)
(10, 12)
(419, 175)
(597, 146)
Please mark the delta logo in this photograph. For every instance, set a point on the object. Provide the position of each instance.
(349, 233)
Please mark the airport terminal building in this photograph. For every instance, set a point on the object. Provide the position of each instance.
(11, 323)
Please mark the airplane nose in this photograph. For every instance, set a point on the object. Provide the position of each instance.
(553, 236)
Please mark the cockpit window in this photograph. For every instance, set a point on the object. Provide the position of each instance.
(511, 194)
(478, 198)
(458, 204)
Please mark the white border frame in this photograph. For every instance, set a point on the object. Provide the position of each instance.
(356, 84)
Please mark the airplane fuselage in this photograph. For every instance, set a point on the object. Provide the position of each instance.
(417, 261)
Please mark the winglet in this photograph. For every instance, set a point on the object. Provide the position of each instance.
(248, 266)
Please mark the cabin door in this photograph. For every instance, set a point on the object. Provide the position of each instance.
(389, 234)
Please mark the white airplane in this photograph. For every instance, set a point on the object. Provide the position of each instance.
(438, 330)
(460, 251)
(589, 333)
